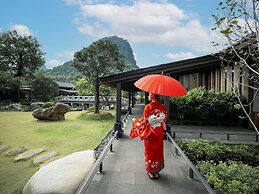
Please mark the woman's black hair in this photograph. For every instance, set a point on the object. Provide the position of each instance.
(157, 97)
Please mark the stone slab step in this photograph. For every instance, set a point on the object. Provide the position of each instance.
(44, 157)
(15, 151)
(28, 154)
(3, 148)
(51, 160)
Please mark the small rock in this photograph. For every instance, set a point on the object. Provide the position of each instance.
(28, 154)
(3, 148)
(44, 157)
(16, 151)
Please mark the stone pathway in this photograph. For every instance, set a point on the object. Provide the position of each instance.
(15, 151)
(124, 170)
(44, 157)
(28, 154)
(23, 154)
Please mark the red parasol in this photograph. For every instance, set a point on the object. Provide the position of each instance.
(160, 84)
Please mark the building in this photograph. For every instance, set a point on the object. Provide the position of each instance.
(206, 71)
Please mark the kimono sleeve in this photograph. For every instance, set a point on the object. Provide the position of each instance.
(140, 127)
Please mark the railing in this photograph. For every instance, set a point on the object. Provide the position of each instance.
(228, 135)
(111, 99)
(98, 165)
(192, 168)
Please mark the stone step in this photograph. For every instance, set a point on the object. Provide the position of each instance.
(15, 151)
(44, 157)
(51, 160)
(3, 148)
(28, 154)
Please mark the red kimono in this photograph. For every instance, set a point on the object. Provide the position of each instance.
(150, 128)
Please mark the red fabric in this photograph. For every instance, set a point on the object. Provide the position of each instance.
(153, 137)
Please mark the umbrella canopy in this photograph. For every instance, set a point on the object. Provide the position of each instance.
(160, 84)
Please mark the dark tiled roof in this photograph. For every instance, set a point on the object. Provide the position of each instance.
(173, 69)
(65, 85)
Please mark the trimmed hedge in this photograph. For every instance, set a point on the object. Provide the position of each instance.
(227, 168)
(231, 177)
(203, 150)
(200, 104)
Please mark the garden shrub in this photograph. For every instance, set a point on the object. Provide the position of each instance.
(204, 105)
(96, 117)
(203, 150)
(227, 168)
(231, 177)
(48, 104)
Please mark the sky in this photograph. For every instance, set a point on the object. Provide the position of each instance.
(159, 31)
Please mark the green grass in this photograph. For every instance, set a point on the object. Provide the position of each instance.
(74, 134)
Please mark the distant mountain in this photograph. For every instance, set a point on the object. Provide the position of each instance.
(125, 50)
(64, 73)
(68, 73)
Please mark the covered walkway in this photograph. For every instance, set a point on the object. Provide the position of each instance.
(124, 170)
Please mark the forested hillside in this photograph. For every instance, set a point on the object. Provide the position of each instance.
(68, 73)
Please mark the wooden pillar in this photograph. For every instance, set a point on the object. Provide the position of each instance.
(133, 99)
(146, 97)
(168, 126)
(118, 124)
(129, 104)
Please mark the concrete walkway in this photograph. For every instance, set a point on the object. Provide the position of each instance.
(124, 170)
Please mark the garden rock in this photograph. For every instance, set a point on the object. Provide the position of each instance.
(26, 155)
(61, 176)
(35, 105)
(14, 107)
(42, 158)
(54, 113)
(16, 151)
(3, 148)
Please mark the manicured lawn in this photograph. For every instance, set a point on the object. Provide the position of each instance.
(21, 129)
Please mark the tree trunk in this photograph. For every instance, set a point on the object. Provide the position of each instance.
(15, 94)
(97, 94)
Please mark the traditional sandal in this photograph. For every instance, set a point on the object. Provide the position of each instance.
(151, 176)
(157, 176)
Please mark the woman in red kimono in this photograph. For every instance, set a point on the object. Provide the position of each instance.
(150, 128)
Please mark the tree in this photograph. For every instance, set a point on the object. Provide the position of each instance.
(20, 57)
(97, 60)
(237, 21)
(44, 88)
(83, 87)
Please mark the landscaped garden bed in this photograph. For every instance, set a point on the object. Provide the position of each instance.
(227, 168)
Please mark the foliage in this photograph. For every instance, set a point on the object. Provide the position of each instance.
(227, 168)
(65, 73)
(68, 73)
(48, 104)
(103, 116)
(202, 150)
(201, 104)
(20, 56)
(83, 87)
(231, 177)
(97, 60)
(238, 22)
(44, 88)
